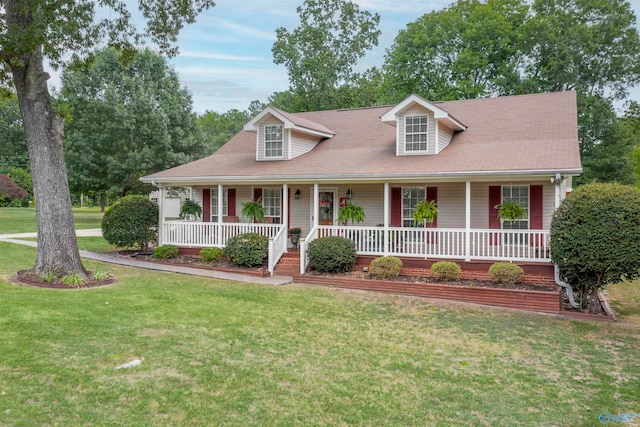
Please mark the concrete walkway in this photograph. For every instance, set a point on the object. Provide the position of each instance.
(112, 259)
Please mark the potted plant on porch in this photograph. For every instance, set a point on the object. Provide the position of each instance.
(190, 210)
(294, 235)
(350, 212)
(425, 212)
(253, 210)
(510, 212)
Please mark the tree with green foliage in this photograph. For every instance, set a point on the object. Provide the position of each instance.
(68, 31)
(126, 120)
(321, 52)
(594, 238)
(468, 50)
(131, 222)
(630, 121)
(13, 145)
(219, 128)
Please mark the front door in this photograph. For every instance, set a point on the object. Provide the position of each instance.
(327, 208)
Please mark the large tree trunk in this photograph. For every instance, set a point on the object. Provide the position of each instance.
(43, 127)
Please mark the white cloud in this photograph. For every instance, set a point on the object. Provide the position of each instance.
(220, 56)
(243, 30)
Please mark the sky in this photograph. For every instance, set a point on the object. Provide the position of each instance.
(225, 58)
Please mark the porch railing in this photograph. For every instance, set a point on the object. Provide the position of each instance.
(304, 256)
(277, 248)
(208, 234)
(445, 243)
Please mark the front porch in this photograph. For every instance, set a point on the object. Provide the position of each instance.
(407, 242)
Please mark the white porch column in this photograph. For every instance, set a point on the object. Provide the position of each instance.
(316, 202)
(558, 190)
(387, 211)
(160, 214)
(220, 204)
(467, 222)
(285, 212)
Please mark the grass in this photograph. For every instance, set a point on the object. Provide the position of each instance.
(223, 353)
(23, 220)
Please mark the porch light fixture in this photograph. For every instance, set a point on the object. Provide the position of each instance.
(349, 193)
(296, 195)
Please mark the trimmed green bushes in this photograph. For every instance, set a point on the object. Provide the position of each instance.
(506, 273)
(249, 249)
(446, 270)
(132, 222)
(386, 267)
(211, 255)
(166, 252)
(595, 238)
(332, 254)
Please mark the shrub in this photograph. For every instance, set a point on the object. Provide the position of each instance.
(211, 255)
(386, 267)
(332, 254)
(594, 237)
(131, 222)
(506, 273)
(446, 270)
(248, 249)
(166, 251)
(73, 280)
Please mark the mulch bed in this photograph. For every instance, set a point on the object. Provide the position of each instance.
(195, 262)
(29, 278)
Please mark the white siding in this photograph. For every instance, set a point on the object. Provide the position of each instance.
(301, 144)
(270, 120)
(431, 130)
(444, 136)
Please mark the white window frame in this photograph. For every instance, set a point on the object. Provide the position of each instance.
(214, 203)
(416, 134)
(507, 196)
(272, 209)
(407, 221)
(273, 146)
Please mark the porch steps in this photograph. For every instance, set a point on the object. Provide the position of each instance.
(289, 264)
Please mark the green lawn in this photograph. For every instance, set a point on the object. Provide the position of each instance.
(224, 353)
(23, 220)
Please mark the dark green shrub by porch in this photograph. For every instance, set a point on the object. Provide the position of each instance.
(506, 273)
(211, 255)
(446, 270)
(132, 222)
(166, 252)
(332, 254)
(386, 267)
(595, 238)
(249, 249)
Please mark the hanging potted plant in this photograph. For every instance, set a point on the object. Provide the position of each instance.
(253, 210)
(190, 210)
(294, 235)
(425, 212)
(350, 212)
(510, 212)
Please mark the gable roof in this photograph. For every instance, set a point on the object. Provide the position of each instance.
(391, 116)
(513, 135)
(290, 121)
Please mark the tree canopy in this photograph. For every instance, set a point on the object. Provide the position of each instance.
(126, 120)
(321, 52)
(66, 31)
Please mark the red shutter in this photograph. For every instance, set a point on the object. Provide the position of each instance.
(231, 201)
(257, 194)
(288, 208)
(495, 198)
(432, 194)
(396, 207)
(206, 205)
(535, 207)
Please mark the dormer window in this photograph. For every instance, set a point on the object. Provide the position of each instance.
(273, 141)
(416, 133)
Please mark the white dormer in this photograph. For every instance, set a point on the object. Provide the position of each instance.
(421, 127)
(284, 136)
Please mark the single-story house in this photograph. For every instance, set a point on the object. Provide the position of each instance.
(467, 155)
